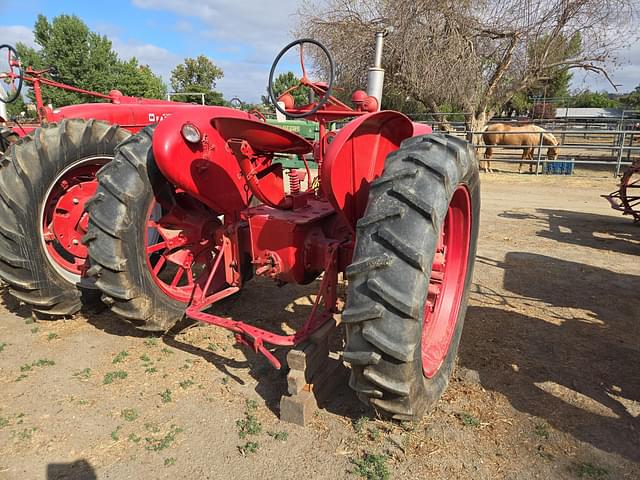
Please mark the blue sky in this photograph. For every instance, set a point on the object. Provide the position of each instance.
(240, 36)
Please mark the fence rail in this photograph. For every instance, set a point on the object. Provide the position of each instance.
(622, 141)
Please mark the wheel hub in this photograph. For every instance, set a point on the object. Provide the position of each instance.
(179, 248)
(64, 221)
(446, 284)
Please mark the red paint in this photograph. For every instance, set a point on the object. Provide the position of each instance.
(64, 221)
(355, 157)
(446, 286)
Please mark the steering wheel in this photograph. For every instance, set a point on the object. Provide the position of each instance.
(304, 80)
(14, 73)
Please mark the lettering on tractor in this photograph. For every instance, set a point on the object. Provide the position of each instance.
(191, 209)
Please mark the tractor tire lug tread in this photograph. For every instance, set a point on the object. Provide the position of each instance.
(27, 171)
(384, 306)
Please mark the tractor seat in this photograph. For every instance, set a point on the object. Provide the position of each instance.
(261, 136)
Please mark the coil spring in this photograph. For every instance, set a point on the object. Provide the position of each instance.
(294, 181)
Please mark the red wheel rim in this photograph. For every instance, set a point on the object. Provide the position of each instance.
(630, 191)
(63, 218)
(180, 246)
(447, 282)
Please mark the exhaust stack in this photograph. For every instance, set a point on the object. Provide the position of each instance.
(375, 75)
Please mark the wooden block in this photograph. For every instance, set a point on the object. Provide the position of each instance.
(298, 408)
(296, 382)
(296, 357)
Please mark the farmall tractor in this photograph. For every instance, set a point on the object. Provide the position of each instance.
(46, 177)
(193, 208)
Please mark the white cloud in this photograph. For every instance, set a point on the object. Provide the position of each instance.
(626, 75)
(161, 60)
(12, 34)
(260, 29)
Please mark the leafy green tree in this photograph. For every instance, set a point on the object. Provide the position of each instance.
(84, 59)
(589, 99)
(197, 75)
(282, 83)
(632, 100)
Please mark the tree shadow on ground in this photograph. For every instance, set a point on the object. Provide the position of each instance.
(604, 232)
(579, 370)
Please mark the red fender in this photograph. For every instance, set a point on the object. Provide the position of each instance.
(207, 170)
(356, 157)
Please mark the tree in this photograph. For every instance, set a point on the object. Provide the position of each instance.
(589, 99)
(472, 54)
(632, 100)
(197, 75)
(283, 82)
(84, 59)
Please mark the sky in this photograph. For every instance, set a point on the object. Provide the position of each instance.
(240, 36)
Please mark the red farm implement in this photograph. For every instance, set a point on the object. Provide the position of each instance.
(193, 208)
(48, 173)
(627, 198)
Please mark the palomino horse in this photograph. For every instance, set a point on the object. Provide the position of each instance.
(503, 134)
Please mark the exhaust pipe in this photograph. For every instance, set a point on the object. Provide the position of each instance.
(375, 74)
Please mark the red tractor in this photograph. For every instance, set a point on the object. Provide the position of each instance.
(191, 209)
(46, 177)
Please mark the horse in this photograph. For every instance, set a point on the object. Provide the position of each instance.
(503, 134)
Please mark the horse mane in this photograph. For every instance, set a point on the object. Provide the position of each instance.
(549, 139)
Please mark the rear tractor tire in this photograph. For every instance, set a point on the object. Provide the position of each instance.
(131, 216)
(409, 280)
(45, 179)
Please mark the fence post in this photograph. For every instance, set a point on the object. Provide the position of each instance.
(620, 149)
(539, 153)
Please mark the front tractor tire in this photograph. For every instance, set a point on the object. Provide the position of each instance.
(140, 232)
(45, 179)
(409, 281)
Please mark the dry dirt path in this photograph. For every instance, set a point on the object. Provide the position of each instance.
(547, 384)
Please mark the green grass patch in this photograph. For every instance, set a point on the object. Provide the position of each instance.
(21, 377)
(115, 435)
(35, 329)
(589, 470)
(541, 430)
(248, 448)
(129, 414)
(150, 370)
(120, 357)
(2, 345)
(281, 436)
(43, 362)
(109, 377)
(52, 336)
(83, 374)
(145, 358)
(167, 351)
(372, 467)
(4, 422)
(186, 384)
(468, 420)
(166, 396)
(134, 438)
(151, 342)
(29, 321)
(156, 444)
(27, 433)
(360, 424)
(169, 461)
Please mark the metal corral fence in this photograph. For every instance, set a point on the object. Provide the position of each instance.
(609, 141)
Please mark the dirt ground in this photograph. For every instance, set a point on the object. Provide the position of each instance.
(547, 384)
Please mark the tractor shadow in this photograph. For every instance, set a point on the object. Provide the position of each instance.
(605, 232)
(577, 367)
(263, 304)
